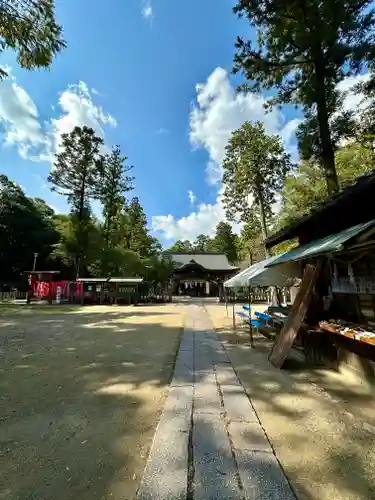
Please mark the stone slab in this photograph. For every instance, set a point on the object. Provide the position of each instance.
(249, 436)
(187, 342)
(262, 477)
(226, 375)
(214, 467)
(184, 368)
(207, 398)
(166, 471)
(182, 377)
(237, 405)
(179, 402)
(185, 357)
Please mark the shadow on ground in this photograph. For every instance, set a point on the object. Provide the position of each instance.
(80, 396)
(321, 427)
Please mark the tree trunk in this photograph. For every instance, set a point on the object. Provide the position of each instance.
(262, 213)
(327, 152)
(251, 257)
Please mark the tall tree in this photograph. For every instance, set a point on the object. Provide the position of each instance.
(254, 166)
(202, 243)
(181, 246)
(225, 241)
(250, 241)
(76, 175)
(304, 49)
(134, 232)
(29, 28)
(114, 183)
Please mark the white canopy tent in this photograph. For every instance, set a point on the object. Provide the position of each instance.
(260, 275)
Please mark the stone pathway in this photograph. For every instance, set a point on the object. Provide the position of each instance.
(209, 444)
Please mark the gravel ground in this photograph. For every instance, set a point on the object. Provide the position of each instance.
(81, 391)
(321, 424)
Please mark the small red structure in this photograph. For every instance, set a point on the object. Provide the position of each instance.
(40, 276)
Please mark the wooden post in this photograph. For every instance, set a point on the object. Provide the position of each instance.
(292, 325)
(234, 317)
(116, 292)
(250, 325)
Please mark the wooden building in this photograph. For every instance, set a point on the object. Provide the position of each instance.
(111, 290)
(336, 303)
(200, 274)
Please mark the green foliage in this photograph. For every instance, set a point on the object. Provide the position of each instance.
(29, 28)
(181, 246)
(158, 269)
(114, 183)
(134, 232)
(225, 241)
(77, 168)
(203, 243)
(254, 166)
(306, 188)
(304, 49)
(77, 174)
(26, 227)
(117, 261)
(250, 245)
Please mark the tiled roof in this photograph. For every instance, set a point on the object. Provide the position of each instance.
(208, 260)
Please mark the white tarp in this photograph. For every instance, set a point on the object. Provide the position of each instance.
(260, 275)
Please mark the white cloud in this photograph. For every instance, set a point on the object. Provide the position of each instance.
(192, 197)
(201, 221)
(19, 119)
(78, 109)
(147, 10)
(218, 111)
(37, 141)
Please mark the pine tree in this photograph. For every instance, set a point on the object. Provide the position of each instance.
(135, 234)
(304, 49)
(114, 184)
(76, 175)
(225, 241)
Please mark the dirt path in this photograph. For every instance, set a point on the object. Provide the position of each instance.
(81, 391)
(321, 424)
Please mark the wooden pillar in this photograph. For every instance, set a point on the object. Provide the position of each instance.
(116, 294)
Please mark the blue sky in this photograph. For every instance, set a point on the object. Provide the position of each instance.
(152, 76)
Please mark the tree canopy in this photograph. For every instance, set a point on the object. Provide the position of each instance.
(254, 167)
(29, 28)
(304, 49)
(26, 227)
